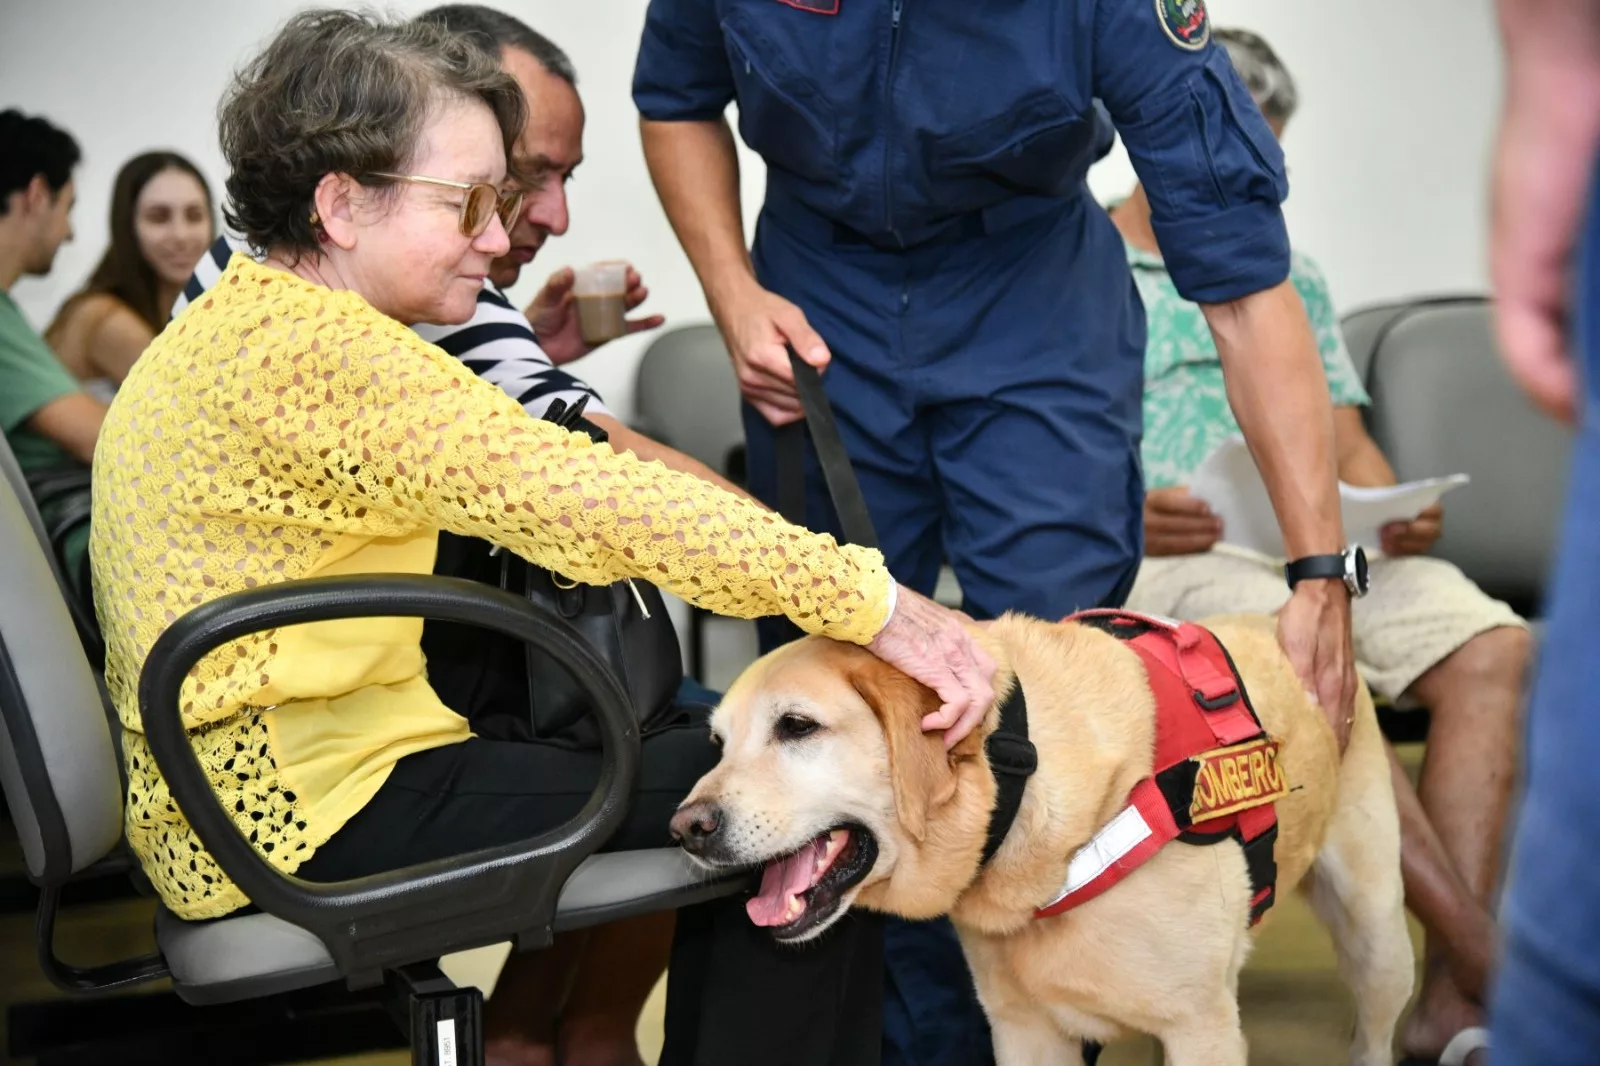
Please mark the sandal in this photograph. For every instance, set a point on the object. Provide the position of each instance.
(1456, 1051)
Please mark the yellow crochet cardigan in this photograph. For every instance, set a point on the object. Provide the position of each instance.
(280, 430)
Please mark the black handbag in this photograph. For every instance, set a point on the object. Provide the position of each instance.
(625, 622)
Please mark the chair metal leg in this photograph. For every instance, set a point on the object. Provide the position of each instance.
(70, 978)
(445, 1022)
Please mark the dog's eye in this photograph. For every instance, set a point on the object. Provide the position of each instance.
(795, 726)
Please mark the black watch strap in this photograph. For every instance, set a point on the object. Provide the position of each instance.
(1315, 567)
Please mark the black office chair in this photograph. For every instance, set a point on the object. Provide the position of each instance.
(383, 934)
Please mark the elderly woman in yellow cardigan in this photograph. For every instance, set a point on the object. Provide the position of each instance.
(289, 425)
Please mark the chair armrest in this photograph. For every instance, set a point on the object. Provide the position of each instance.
(421, 912)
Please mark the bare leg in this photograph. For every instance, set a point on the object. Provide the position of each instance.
(520, 1018)
(1475, 697)
(1458, 926)
(623, 962)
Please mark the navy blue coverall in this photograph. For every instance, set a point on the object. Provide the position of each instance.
(926, 208)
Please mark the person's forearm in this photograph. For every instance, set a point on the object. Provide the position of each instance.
(625, 439)
(1552, 50)
(1544, 156)
(1361, 461)
(1546, 146)
(695, 168)
(72, 422)
(1279, 395)
(1536, 29)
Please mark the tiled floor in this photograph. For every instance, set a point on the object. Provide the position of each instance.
(1296, 1011)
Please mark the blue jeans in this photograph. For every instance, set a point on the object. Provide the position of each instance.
(692, 693)
(1546, 1005)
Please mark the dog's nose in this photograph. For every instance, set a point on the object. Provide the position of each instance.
(694, 826)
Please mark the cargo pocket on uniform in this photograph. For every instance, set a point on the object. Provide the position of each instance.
(781, 115)
(1032, 148)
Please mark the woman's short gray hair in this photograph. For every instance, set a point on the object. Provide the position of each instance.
(1262, 72)
(337, 92)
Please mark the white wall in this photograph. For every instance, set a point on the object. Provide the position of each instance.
(127, 77)
(1388, 157)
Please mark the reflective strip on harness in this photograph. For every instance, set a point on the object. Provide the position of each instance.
(1121, 846)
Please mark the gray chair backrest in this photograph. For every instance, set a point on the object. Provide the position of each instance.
(57, 760)
(1442, 402)
(1362, 330)
(687, 395)
(12, 473)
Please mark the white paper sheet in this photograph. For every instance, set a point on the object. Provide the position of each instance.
(1230, 483)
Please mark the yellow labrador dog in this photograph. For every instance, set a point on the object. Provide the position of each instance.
(828, 783)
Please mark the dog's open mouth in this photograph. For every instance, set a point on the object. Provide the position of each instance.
(803, 889)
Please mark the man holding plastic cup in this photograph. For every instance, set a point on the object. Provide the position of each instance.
(524, 350)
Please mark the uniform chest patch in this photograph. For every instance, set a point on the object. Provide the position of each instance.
(1185, 22)
(816, 7)
(1237, 778)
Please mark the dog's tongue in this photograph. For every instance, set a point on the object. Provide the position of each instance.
(778, 902)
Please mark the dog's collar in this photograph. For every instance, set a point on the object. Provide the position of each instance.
(1012, 760)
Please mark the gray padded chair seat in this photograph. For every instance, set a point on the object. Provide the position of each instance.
(625, 883)
(240, 958)
(258, 955)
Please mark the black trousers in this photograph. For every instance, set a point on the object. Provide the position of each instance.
(481, 793)
(734, 996)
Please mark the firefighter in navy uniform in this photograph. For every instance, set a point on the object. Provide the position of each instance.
(929, 241)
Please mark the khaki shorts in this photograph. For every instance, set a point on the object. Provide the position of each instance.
(1418, 611)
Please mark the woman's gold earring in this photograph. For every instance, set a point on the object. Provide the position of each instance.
(316, 219)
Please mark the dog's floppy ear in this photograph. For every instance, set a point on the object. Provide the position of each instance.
(919, 767)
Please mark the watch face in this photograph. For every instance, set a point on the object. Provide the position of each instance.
(1358, 563)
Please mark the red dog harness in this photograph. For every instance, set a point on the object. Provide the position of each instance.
(1216, 771)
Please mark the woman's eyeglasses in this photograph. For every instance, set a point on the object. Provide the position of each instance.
(483, 202)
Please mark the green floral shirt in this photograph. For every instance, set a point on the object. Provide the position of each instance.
(1186, 412)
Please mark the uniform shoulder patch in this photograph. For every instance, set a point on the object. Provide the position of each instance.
(1186, 23)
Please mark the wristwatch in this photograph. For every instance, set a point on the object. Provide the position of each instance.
(1349, 566)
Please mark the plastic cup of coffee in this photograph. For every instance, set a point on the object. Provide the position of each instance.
(601, 290)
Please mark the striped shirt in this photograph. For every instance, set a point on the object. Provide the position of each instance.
(496, 343)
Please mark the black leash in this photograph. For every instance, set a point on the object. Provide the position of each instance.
(1012, 758)
(854, 519)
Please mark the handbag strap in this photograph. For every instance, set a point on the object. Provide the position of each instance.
(790, 442)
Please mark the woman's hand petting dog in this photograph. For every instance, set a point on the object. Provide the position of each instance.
(934, 645)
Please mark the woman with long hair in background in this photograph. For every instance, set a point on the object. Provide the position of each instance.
(161, 224)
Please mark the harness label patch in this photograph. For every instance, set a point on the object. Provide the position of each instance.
(1186, 22)
(816, 7)
(1236, 778)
